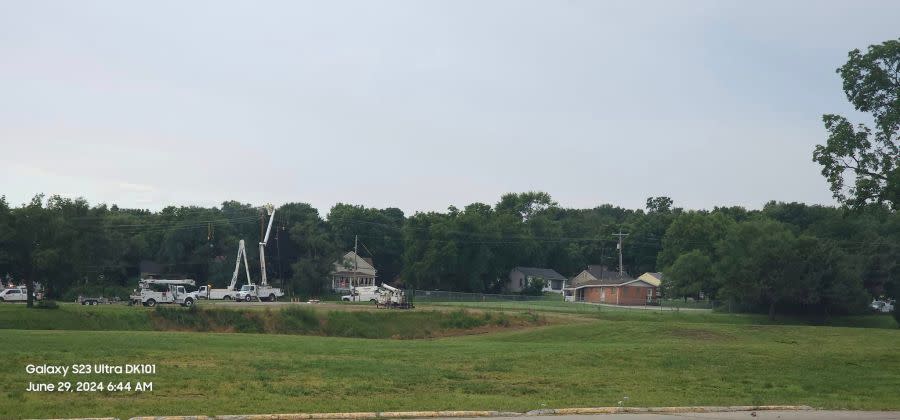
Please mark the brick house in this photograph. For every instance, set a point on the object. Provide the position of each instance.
(597, 284)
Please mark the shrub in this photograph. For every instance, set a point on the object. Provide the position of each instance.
(897, 315)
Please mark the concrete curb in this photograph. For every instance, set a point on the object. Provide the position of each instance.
(700, 409)
(428, 414)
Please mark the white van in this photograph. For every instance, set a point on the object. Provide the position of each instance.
(362, 294)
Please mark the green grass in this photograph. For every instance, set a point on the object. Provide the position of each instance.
(612, 313)
(280, 320)
(585, 364)
(655, 358)
(74, 317)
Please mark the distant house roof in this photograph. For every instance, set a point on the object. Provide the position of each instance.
(652, 278)
(598, 275)
(352, 263)
(544, 273)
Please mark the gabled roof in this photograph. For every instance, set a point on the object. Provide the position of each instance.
(544, 273)
(652, 278)
(600, 272)
(352, 263)
(598, 275)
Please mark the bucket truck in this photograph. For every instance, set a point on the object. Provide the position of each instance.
(229, 293)
(392, 297)
(151, 292)
(262, 291)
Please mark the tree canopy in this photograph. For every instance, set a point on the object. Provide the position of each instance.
(871, 82)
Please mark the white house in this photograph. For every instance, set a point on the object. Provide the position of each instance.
(350, 271)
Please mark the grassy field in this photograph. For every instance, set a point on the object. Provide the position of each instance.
(678, 359)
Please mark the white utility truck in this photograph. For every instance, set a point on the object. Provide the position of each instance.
(362, 294)
(151, 292)
(883, 306)
(392, 297)
(263, 291)
(229, 293)
(15, 294)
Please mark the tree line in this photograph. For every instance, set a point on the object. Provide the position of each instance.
(787, 255)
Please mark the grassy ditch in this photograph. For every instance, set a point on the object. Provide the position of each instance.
(356, 324)
(286, 320)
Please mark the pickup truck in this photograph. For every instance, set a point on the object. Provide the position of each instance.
(15, 294)
(205, 292)
(250, 292)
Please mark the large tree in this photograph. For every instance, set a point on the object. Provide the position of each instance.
(871, 155)
(758, 264)
(690, 275)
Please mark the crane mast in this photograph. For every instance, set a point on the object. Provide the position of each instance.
(242, 253)
(270, 209)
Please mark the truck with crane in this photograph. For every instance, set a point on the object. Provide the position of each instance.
(392, 297)
(262, 291)
(229, 293)
(151, 292)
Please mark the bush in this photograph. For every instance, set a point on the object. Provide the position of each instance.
(535, 287)
(897, 315)
(47, 304)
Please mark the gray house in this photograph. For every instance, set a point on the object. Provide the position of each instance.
(520, 277)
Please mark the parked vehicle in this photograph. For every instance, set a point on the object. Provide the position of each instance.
(362, 294)
(261, 292)
(392, 297)
(151, 292)
(15, 294)
(91, 301)
(229, 293)
(883, 306)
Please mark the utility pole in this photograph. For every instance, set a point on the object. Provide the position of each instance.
(621, 236)
(355, 260)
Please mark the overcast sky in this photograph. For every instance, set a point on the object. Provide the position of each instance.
(423, 104)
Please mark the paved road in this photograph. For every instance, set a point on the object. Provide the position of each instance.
(743, 415)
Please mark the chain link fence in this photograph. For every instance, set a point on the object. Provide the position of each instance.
(549, 302)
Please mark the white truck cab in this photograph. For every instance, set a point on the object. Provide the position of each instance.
(15, 294)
